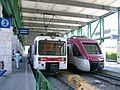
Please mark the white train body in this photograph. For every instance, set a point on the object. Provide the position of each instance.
(49, 53)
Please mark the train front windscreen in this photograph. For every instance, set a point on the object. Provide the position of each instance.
(55, 48)
(92, 48)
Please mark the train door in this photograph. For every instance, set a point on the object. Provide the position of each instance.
(79, 61)
(77, 57)
(70, 54)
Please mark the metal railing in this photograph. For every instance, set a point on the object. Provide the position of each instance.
(41, 82)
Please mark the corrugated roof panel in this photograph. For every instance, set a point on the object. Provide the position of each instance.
(94, 11)
(35, 5)
(58, 7)
(28, 4)
(45, 6)
(99, 12)
(116, 4)
(67, 8)
(101, 2)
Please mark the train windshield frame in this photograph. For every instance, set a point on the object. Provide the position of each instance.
(92, 48)
(54, 48)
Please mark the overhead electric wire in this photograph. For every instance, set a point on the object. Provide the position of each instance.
(35, 14)
(45, 20)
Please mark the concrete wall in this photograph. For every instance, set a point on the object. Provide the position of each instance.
(1, 11)
(8, 42)
(6, 48)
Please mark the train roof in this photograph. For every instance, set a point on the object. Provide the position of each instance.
(82, 39)
(54, 38)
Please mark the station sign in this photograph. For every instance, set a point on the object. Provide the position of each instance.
(115, 37)
(24, 31)
(4, 22)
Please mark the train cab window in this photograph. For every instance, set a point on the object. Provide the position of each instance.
(76, 51)
(92, 48)
(56, 48)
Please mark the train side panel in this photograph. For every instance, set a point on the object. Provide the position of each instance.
(79, 61)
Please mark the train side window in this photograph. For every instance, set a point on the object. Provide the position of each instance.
(76, 51)
(35, 47)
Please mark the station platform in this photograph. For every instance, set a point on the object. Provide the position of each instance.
(112, 68)
(19, 79)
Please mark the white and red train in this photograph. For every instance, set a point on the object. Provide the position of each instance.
(49, 53)
(84, 53)
(52, 54)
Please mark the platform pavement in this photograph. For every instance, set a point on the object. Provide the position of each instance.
(112, 66)
(20, 79)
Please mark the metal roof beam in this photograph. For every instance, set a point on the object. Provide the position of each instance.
(49, 25)
(54, 30)
(44, 33)
(79, 4)
(59, 13)
(53, 20)
(39, 33)
(42, 28)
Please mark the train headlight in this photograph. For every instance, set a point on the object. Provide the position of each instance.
(43, 59)
(61, 59)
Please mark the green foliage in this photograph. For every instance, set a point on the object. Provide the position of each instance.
(111, 56)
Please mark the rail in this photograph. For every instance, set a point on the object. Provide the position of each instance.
(41, 82)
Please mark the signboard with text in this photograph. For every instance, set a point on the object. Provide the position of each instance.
(4, 22)
(24, 31)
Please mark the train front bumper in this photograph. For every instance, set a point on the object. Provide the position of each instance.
(96, 65)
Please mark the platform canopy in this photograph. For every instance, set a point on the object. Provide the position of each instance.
(62, 16)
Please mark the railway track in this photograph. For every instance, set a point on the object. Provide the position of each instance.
(69, 81)
(58, 83)
(100, 80)
(113, 80)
